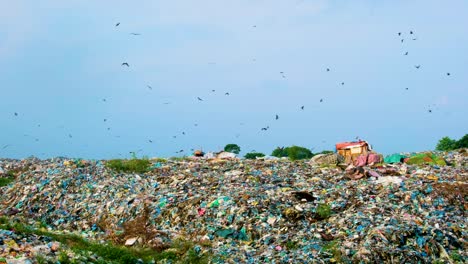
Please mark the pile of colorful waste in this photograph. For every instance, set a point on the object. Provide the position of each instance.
(254, 211)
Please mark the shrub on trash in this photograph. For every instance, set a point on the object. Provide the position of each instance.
(233, 148)
(254, 155)
(133, 165)
(323, 211)
(279, 152)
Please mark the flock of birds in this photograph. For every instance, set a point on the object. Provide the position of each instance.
(412, 36)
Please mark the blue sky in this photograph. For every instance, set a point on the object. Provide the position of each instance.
(58, 61)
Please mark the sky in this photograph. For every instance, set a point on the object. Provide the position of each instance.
(62, 74)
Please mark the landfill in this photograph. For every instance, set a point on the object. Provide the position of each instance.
(250, 211)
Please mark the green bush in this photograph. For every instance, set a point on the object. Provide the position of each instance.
(279, 152)
(233, 148)
(447, 144)
(293, 153)
(254, 155)
(323, 211)
(5, 181)
(133, 165)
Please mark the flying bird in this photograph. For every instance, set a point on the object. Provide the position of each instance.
(321, 100)
(105, 119)
(302, 107)
(254, 26)
(104, 100)
(430, 110)
(402, 40)
(417, 66)
(117, 24)
(411, 32)
(282, 74)
(6, 146)
(406, 88)
(70, 136)
(174, 136)
(213, 91)
(226, 94)
(16, 114)
(125, 64)
(399, 33)
(135, 34)
(448, 73)
(328, 69)
(199, 99)
(415, 39)
(406, 53)
(265, 128)
(150, 141)
(277, 117)
(149, 87)
(108, 128)
(342, 83)
(183, 133)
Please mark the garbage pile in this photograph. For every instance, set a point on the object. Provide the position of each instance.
(256, 211)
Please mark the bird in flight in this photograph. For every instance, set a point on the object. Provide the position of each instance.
(417, 66)
(108, 128)
(321, 99)
(415, 39)
(411, 32)
(135, 34)
(199, 99)
(448, 73)
(183, 133)
(16, 114)
(406, 53)
(342, 83)
(6, 146)
(407, 88)
(195, 124)
(399, 33)
(430, 110)
(125, 64)
(105, 119)
(149, 87)
(402, 40)
(70, 136)
(302, 107)
(117, 24)
(174, 136)
(213, 91)
(254, 26)
(277, 117)
(226, 94)
(265, 128)
(104, 100)
(328, 69)
(150, 141)
(282, 74)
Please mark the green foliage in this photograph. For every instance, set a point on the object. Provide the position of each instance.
(254, 155)
(332, 248)
(5, 181)
(462, 142)
(446, 144)
(323, 211)
(298, 153)
(63, 258)
(279, 152)
(41, 259)
(133, 165)
(291, 245)
(293, 152)
(233, 148)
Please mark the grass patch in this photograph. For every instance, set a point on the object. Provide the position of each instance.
(180, 251)
(323, 211)
(6, 181)
(132, 165)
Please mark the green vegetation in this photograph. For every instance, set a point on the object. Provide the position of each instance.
(133, 165)
(254, 155)
(291, 245)
(293, 153)
(323, 211)
(180, 251)
(233, 148)
(6, 181)
(333, 248)
(426, 158)
(447, 144)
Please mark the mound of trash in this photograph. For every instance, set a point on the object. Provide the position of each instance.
(253, 211)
